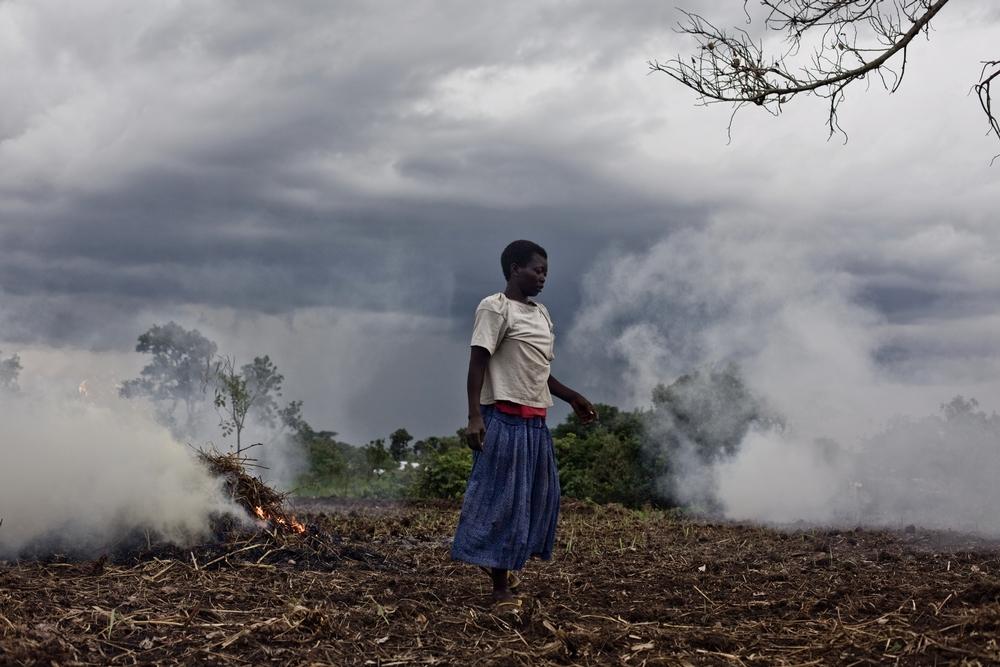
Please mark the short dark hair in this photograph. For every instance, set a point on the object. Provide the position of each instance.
(520, 253)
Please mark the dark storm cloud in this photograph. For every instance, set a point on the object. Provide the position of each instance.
(374, 157)
(273, 159)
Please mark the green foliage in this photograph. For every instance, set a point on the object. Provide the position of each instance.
(255, 386)
(342, 470)
(445, 471)
(621, 458)
(232, 398)
(609, 418)
(254, 389)
(326, 457)
(604, 462)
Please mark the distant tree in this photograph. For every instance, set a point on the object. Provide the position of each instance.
(710, 408)
(10, 370)
(291, 418)
(841, 42)
(960, 407)
(700, 418)
(399, 444)
(938, 470)
(324, 453)
(178, 376)
(253, 389)
(377, 456)
(434, 444)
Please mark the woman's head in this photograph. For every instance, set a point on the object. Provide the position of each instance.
(526, 265)
(519, 253)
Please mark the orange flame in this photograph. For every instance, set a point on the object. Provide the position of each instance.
(289, 522)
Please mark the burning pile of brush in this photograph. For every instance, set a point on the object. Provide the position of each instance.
(257, 498)
(283, 537)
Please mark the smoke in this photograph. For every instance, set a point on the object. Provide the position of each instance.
(345, 366)
(935, 471)
(78, 476)
(856, 439)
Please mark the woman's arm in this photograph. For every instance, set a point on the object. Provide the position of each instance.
(584, 410)
(479, 359)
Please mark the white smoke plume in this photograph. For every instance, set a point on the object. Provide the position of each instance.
(856, 442)
(77, 476)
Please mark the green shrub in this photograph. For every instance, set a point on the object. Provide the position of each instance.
(604, 462)
(444, 473)
(604, 467)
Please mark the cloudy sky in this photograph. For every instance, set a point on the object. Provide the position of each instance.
(332, 183)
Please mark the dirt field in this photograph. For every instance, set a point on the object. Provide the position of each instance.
(625, 588)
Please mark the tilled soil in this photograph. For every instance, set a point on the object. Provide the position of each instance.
(625, 587)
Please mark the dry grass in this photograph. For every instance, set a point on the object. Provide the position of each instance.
(625, 588)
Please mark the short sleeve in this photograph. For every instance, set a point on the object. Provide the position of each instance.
(548, 318)
(488, 329)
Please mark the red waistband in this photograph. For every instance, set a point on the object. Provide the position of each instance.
(518, 410)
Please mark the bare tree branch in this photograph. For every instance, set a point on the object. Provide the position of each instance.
(986, 78)
(849, 39)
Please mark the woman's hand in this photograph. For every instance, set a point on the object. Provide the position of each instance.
(584, 410)
(475, 433)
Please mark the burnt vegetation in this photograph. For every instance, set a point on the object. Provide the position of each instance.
(627, 587)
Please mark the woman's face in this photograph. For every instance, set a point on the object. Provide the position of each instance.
(530, 278)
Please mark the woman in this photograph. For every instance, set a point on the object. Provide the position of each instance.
(511, 503)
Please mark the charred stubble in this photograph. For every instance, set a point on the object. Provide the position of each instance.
(624, 585)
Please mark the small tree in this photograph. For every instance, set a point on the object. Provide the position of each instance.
(10, 370)
(178, 375)
(255, 387)
(399, 444)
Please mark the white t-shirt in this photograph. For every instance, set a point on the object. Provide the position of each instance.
(520, 338)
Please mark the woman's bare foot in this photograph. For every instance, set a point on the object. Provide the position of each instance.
(501, 590)
(513, 581)
(500, 597)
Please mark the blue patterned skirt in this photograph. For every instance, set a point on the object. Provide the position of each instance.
(511, 504)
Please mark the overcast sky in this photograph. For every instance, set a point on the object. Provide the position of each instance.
(332, 183)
